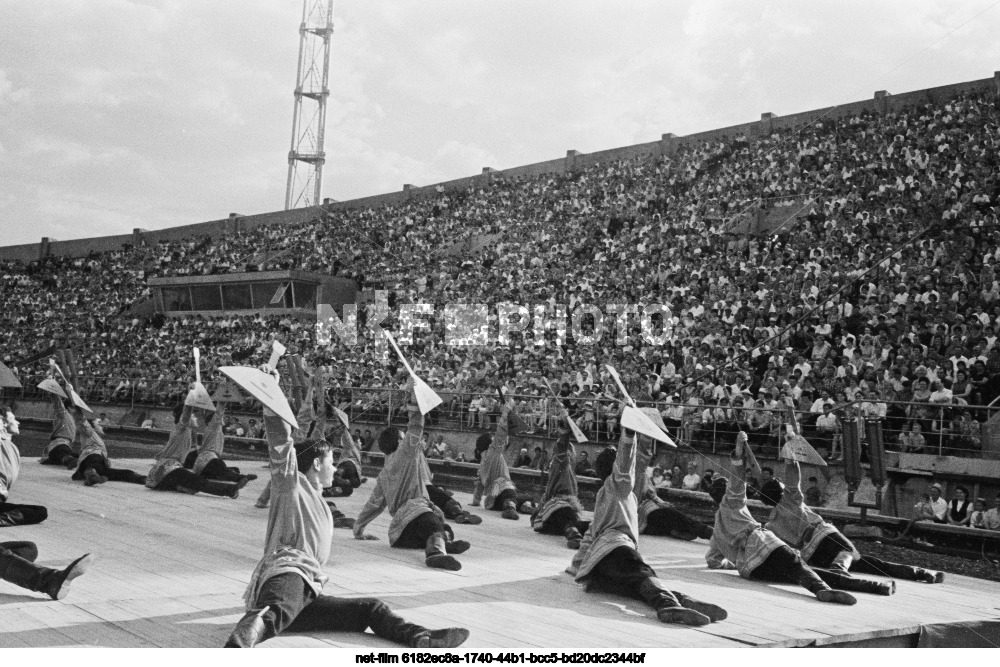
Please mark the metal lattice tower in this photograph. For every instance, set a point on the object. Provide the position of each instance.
(306, 157)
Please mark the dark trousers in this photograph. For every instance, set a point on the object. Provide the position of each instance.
(217, 469)
(832, 545)
(57, 455)
(180, 479)
(786, 567)
(511, 495)
(624, 572)
(667, 520)
(349, 472)
(560, 521)
(26, 550)
(416, 532)
(101, 466)
(296, 608)
(451, 507)
(12, 514)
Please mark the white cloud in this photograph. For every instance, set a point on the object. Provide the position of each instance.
(161, 112)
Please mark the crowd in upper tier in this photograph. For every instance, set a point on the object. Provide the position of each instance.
(883, 290)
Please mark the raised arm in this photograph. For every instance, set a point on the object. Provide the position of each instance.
(179, 442)
(623, 474)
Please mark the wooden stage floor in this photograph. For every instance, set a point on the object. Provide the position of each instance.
(171, 570)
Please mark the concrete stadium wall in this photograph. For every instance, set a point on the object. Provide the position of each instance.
(881, 102)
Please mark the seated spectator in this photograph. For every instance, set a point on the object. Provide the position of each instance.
(813, 495)
(148, 422)
(977, 519)
(692, 480)
(523, 460)
(991, 518)
(958, 508)
(706, 480)
(583, 467)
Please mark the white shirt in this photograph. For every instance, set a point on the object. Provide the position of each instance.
(692, 482)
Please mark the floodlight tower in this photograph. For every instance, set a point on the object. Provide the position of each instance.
(306, 157)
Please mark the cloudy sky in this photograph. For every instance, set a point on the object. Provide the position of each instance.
(118, 114)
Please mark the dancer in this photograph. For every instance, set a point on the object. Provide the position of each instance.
(311, 424)
(493, 478)
(609, 560)
(59, 451)
(168, 472)
(559, 509)
(208, 461)
(445, 499)
(657, 516)
(285, 591)
(95, 466)
(401, 488)
(12, 514)
(821, 545)
(740, 543)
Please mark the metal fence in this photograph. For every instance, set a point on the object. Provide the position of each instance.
(929, 428)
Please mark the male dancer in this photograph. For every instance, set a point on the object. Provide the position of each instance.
(311, 426)
(168, 472)
(609, 559)
(657, 516)
(559, 509)
(285, 591)
(59, 451)
(10, 466)
(823, 546)
(493, 478)
(95, 466)
(209, 462)
(401, 488)
(740, 543)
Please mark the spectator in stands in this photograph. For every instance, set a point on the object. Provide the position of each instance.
(692, 480)
(958, 508)
(813, 495)
(523, 460)
(991, 519)
(977, 518)
(583, 467)
(706, 480)
(148, 422)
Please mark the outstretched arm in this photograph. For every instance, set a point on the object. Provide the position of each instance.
(376, 505)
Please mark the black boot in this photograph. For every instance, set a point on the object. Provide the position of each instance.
(54, 583)
(447, 638)
(471, 519)
(436, 555)
(214, 488)
(91, 478)
(573, 537)
(668, 609)
(457, 546)
(509, 511)
(249, 631)
(714, 612)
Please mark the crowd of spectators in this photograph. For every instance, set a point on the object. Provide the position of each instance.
(843, 312)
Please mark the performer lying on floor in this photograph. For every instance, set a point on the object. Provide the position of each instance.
(740, 543)
(821, 545)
